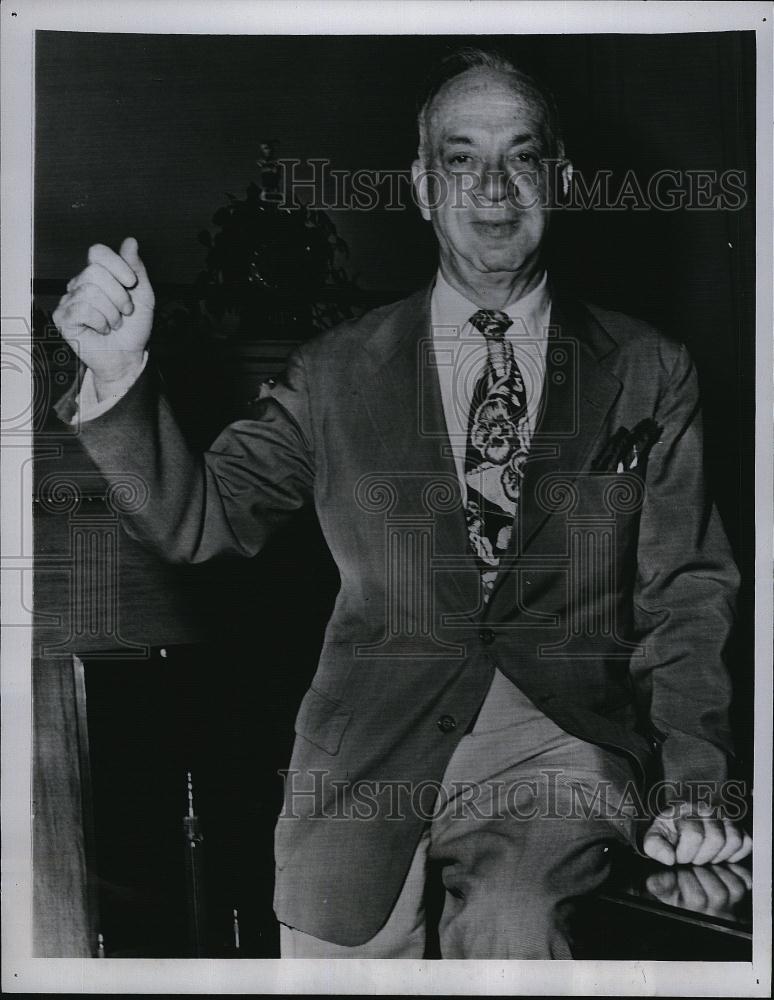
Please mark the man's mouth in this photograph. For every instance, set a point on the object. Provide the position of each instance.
(497, 230)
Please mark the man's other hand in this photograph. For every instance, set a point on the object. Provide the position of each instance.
(106, 314)
(690, 836)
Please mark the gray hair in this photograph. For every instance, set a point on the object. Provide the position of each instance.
(464, 59)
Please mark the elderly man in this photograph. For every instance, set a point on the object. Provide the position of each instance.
(535, 591)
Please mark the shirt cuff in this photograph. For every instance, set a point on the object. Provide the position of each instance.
(88, 407)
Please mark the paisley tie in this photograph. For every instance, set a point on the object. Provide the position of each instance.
(497, 445)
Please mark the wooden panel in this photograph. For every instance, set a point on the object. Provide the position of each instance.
(63, 925)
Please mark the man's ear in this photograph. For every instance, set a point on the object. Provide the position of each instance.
(420, 177)
(566, 179)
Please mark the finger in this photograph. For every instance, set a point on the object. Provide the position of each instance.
(714, 888)
(96, 274)
(114, 263)
(663, 884)
(743, 851)
(94, 296)
(714, 840)
(691, 837)
(692, 895)
(735, 886)
(656, 846)
(733, 841)
(130, 252)
(741, 872)
(81, 315)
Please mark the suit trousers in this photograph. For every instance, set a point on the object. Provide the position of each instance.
(522, 828)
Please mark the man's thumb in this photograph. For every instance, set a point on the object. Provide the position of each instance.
(660, 840)
(130, 253)
(656, 846)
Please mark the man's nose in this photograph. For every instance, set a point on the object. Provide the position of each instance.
(494, 182)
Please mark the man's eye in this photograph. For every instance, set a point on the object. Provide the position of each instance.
(456, 158)
(526, 157)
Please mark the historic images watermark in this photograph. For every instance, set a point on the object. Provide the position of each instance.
(318, 185)
(547, 794)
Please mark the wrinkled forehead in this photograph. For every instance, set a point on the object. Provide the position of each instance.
(484, 100)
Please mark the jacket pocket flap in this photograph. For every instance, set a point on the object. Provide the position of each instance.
(322, 721)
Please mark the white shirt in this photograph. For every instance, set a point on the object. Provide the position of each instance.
(461, 352)
(88, 406)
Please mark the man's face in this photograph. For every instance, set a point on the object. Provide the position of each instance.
(489, 201)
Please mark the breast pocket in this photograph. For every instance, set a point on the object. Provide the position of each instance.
(322, 720)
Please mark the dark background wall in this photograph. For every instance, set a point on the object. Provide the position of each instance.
(145, 133)
(142, 135)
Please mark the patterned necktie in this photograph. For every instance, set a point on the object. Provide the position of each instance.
(497, 446)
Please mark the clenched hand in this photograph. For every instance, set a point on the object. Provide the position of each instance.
(106, 314)
(684, 835)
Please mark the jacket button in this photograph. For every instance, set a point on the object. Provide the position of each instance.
(447, 723)
(487, 636)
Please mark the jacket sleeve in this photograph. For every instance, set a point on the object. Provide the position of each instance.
(684, 595)
(192, 506)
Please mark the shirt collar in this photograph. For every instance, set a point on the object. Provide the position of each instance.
(451, 309)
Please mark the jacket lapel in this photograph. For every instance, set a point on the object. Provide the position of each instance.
(578, 393)
(406, 409)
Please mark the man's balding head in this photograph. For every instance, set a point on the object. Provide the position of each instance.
(480, 64)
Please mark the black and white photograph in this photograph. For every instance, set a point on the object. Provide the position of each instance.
(387, 498)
